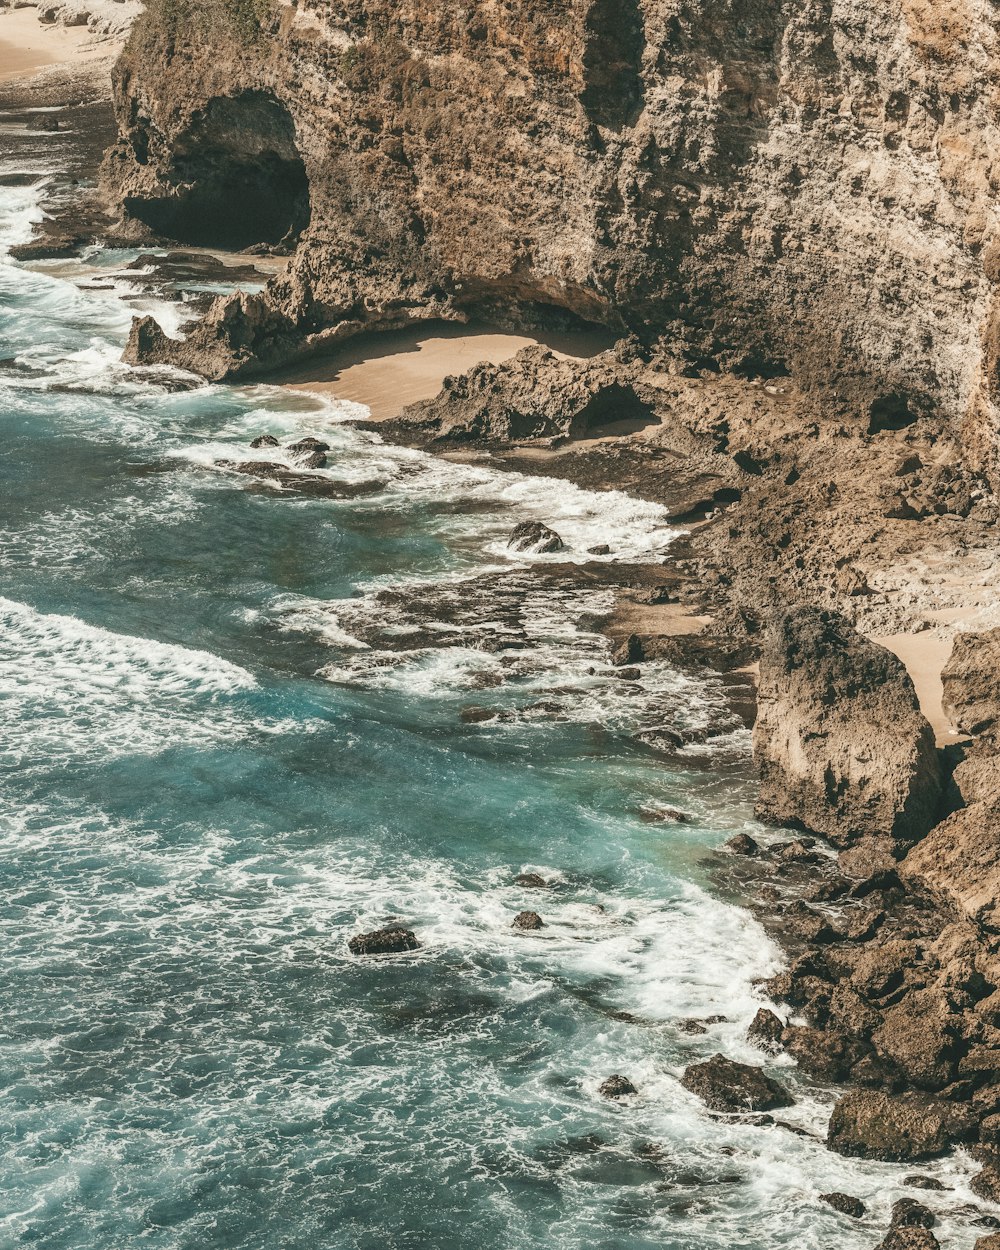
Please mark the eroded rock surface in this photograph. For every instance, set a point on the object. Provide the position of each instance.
(392, 940)
(724, 1085)
(689, 167)
(840, 741)
(875, 1125)
(960, 859)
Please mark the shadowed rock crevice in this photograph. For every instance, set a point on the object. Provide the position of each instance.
(235, 179)
(615, 40)
(615, 409)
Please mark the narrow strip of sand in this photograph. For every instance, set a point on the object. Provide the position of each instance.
(386, 372)
(925, 655)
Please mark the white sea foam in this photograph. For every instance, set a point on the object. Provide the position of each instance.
(74, 690)
(20, 212)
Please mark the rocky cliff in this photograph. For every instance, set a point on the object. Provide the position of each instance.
(806, 185)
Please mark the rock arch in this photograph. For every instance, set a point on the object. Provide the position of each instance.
(235, 178)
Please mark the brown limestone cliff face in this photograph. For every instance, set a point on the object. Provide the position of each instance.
(841, 744)
(804, 185)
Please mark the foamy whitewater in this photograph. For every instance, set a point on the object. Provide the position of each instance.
(228, 744)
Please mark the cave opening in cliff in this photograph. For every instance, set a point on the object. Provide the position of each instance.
(890, 413)
(614, 411)
(237, 178)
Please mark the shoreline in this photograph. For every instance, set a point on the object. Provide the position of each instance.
(50, 65)
(388, 372)
(693, 626)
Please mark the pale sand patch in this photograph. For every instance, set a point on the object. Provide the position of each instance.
(671, 620)
(26, 46)
(386, 372)
(925, 655)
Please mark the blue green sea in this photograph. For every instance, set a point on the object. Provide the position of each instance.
(229, 743)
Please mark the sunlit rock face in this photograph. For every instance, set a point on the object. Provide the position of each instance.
(807, 186)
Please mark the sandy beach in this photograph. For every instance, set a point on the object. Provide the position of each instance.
(27, 47)
(386, 372)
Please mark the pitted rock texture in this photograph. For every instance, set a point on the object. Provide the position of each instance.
(971, 680)
(960, 859)
(729, 174)
(874, 1125)
(842, 746)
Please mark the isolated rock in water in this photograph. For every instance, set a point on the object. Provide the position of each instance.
(311, 460)
(264, 440)
(869, 1124)
(924, 1182)
(307, 446)
(617, 1087)
(840, 741)
(725, 1085)
(908, 1213)
(536, 537)
(529, 920)
(765, 1031)
(845, 1204)
(531, 881)
(971, 680)
(910, 1239)
(743, 844)
(476, 715)
(256, 468)
(393, 940)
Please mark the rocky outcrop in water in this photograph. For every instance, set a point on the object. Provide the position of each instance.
(724, 1085)
(845, 1204)
(840, 741)
(730, 176)
(902, 1129)
(615, 1087)
(392, 940)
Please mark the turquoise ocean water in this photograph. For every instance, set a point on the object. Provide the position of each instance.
(210, 782)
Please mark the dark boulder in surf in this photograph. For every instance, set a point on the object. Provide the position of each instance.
(528, 920)
(765, 1031)
(724, 1085)
(617, 1087)
(264, 440)
(392, 940)
(535, 537)
(743, 844)
(908, 1213)
(311, 460)
(531, 881)
(306, 446)
(846, 1204)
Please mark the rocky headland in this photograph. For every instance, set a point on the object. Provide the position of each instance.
(786, 214)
